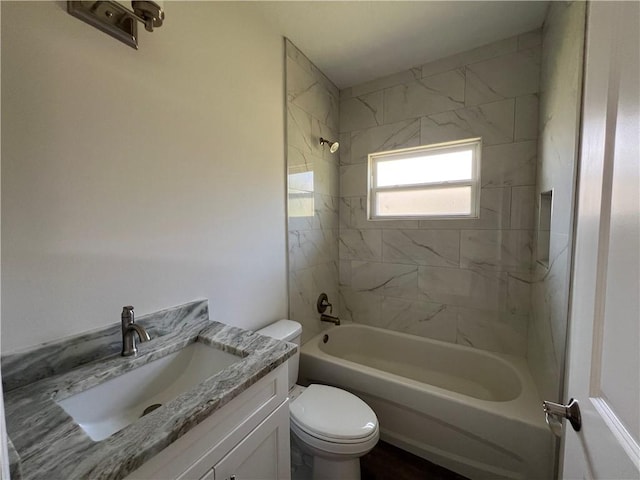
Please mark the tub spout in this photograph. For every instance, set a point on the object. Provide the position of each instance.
(329, 318)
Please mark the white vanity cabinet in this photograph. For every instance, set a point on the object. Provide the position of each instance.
(259, 455)
(248, 438)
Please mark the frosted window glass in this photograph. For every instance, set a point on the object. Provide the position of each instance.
(439, 180)
(443, 167)
(433, 201)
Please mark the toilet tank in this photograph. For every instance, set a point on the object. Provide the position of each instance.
(288, 331)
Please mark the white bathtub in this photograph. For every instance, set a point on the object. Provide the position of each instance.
(471, 411)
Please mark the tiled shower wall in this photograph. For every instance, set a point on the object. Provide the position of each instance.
(462, 281)
(560, 97)
(313, 189)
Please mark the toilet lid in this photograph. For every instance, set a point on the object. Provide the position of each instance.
(333, 413)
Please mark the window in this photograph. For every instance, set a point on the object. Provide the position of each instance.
(431, 181)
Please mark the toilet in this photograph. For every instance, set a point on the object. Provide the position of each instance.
(333, 426)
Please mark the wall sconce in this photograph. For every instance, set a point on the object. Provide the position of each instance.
(118, 21)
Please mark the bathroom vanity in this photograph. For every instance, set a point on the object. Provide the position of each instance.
(247, 438)
(74, 407)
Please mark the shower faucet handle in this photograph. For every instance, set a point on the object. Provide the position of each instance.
(323, 303)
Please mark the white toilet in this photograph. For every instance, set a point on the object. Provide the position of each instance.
(333, 426)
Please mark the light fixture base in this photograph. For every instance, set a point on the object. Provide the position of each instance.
(150, 12)
(109, 17)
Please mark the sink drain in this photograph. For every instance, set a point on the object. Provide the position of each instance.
(151, 408)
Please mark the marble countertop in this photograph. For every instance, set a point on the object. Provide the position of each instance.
(49, 444)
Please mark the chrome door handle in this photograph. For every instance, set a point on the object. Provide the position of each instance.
(570, 411)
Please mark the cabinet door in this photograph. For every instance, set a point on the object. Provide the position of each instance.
(263, 454)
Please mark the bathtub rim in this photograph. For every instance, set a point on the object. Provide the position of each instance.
(525, 408)
(495, 366)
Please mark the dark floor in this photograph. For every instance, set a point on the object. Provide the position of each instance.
(388, 462)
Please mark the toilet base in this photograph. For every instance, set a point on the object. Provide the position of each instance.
(327, 469)
(324, 466)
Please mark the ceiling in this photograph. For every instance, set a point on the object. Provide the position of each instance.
(357, 41)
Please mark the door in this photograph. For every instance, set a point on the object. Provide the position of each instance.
(604, 334)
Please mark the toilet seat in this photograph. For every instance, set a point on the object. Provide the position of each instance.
(331, 416)
(323, 447)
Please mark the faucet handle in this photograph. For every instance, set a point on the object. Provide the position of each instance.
(127, 313)
(323, 303)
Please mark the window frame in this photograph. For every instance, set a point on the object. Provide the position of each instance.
(445, 147)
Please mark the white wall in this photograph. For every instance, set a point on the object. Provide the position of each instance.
(150, 177)
(4, 454)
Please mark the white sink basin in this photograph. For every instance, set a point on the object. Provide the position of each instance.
(109, 407)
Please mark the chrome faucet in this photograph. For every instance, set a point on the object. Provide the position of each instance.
(129, 329)
(329, 318)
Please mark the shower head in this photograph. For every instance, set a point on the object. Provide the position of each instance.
(333, 146)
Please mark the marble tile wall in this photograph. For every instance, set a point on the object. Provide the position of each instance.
(313, 189)
(462, 281)
(560, 94)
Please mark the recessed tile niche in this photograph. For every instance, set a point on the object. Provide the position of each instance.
(544, 227)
